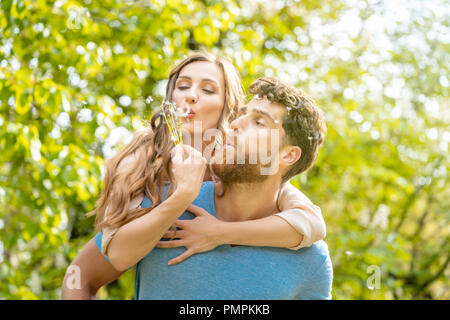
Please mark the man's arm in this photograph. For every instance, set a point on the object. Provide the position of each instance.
(88, 272)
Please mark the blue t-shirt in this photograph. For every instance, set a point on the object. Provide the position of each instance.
(239, 272)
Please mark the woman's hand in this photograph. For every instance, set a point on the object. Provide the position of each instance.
(200, 234)
(188, 169)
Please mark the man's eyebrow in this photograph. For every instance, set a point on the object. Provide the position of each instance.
(204, 79)
(257, 111)
(242, 109)
(263, 113)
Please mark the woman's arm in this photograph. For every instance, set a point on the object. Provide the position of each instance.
(137, 238)
(299, 225)
(301, 214)
(109, 232)
(270, 231)
(88, 272)
(205, 232)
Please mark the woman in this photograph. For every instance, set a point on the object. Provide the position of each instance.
(212, 89)
(143, 166)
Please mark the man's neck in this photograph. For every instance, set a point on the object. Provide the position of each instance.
(248, 201)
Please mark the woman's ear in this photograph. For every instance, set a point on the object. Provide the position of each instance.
(290, 155)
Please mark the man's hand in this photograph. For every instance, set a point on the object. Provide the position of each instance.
(198, 235)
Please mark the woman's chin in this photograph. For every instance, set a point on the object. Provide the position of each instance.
(187, 128)
(192, 127)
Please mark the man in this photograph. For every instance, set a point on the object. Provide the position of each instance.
(243, 272)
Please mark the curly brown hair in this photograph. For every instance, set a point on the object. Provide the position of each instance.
(304, 123)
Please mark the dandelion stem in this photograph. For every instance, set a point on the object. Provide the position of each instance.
(181, 134)
(167, 122)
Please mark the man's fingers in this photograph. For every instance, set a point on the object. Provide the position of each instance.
(180, 258)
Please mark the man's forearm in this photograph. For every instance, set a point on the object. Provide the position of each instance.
(271, 231)
(137, 238)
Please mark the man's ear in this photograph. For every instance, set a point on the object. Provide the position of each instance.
(290, 155)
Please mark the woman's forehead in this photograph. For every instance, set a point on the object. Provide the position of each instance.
(200, 70)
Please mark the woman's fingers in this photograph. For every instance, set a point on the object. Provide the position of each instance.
(196, 210)
(185, 152)
(170, 234)
(177, 154)
(193, 156)
(188, 172)
(171, 244)
(180, 258)
(189, 151)
(179, 224)
(174, 234)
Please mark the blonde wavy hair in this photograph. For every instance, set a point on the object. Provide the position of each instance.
(150, 172)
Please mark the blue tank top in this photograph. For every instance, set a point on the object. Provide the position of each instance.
(238, 272)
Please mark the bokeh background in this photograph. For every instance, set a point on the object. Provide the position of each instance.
(77, 78)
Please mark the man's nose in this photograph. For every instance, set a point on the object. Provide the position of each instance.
(236, 125)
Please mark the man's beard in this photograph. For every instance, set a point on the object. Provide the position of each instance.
(237, 173)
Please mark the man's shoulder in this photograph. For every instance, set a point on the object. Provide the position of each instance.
(318, 250)
(320, 270)
(206, 195)
(317, 255)
(308, 267)
(319, 260)
(311, 257)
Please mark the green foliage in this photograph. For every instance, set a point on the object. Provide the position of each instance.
(74, 72)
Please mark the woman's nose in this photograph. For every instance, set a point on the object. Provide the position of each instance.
(191, 97)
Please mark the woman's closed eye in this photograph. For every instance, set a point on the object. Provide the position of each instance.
(209, 91)
(186, 87)
(209, 88)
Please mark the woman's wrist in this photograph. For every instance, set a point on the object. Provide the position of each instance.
(184, 195)
(225, 233)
